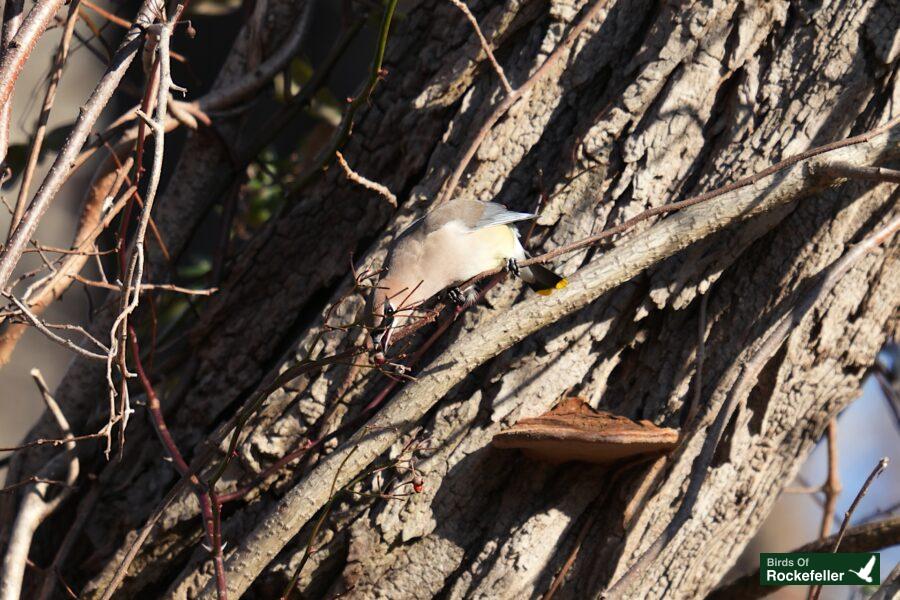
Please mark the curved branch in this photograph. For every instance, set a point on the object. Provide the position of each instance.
(243, 89)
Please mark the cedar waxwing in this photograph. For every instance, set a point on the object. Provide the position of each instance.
(449, 245)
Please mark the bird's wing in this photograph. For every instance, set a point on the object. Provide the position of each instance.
(412, 227)
(497, 214)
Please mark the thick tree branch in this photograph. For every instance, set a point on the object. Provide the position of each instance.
(12, 20)
(19, 49)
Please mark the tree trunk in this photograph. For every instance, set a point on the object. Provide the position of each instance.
(655, 102)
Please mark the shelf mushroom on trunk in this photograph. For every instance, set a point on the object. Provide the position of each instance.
(574, 431)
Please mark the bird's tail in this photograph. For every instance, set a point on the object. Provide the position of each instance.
(542, 280)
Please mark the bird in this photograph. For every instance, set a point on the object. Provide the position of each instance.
(866, 572)
(446, 247)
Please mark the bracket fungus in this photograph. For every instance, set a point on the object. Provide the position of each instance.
(574, 431)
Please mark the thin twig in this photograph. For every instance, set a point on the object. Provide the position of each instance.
(879, 468)
(379, 188)
(29, 480)
(40, 326)
(143, 534)
(376, 73)
(62, 53)
(148, 287)
(484, 45)
(832, 486)
(512, 98)
(844, 170)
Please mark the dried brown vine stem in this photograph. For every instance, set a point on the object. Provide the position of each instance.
(130, 297)
(484, 45)
(37, 503)
(65, 159)
(62, 53)
(832, 486)
(512, 98)
(471, 349)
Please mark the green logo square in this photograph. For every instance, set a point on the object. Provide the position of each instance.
(819, 568)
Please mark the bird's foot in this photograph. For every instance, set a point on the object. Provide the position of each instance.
(456, 296)
(512, 267)
(463, 299)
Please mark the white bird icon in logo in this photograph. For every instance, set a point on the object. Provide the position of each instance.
(866, 572)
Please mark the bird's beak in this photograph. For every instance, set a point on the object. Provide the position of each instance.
(377, 343)
(384, 340)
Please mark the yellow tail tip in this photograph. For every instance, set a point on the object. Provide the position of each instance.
(559, 285)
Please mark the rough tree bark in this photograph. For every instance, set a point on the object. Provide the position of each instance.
(655, 102)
